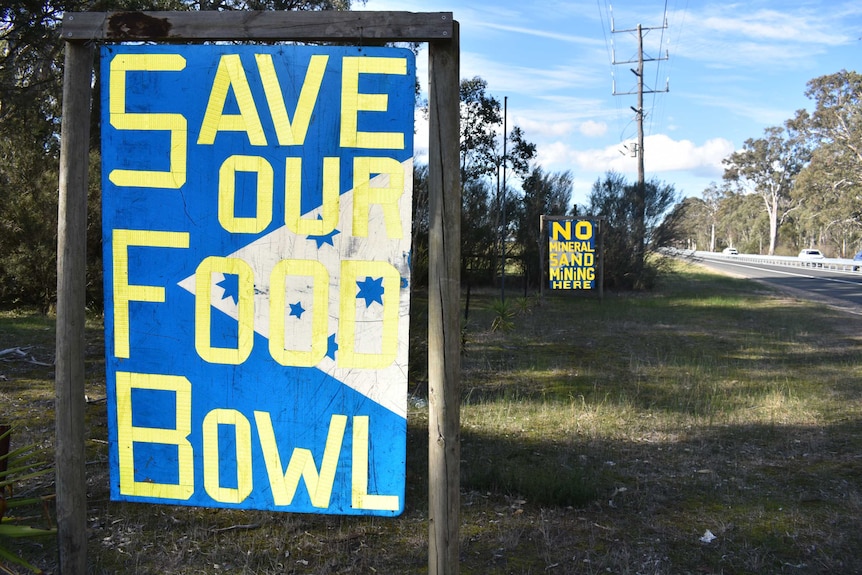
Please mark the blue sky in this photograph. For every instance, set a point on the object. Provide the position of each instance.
(734, 69)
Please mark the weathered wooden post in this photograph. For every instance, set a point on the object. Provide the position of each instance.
(71, 284)
(444, 326)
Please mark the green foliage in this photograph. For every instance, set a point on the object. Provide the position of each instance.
(278, 4)
(480, 115)
(17, 467)
(489, 207)
(768, 167)
(797, 186)
(28, 222)
(828, 188)
(612, 199)
(504, 315)
(544, 194)
(30, 87)
(421, 221)
(478, 255)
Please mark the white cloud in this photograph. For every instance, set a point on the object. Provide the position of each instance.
(773, 25)
(728, 35)
(663, 154)
(592, 128)
(568, 38)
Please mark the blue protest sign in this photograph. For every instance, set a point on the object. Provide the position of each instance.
(256, 228)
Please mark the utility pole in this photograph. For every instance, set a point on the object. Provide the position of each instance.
(640, 197)
(505, 224)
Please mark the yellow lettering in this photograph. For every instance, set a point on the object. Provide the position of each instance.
(352, 102)
(175, 176)
(293, 198)
(227, 194)
(386, 196)
(360, 498)
(277, 302)
(569, 247)
(203, 310)
(230, 75)
(584, 230)
(128, 434)
(291, 133)
(284, 483)
(561, 230)
(242, 447)
(123, 291)
(347, 355)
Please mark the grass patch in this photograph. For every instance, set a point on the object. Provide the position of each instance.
(597, 437)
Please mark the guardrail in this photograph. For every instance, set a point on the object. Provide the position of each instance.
(835, 264)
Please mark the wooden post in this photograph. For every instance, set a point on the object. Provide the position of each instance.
(541, 245)
(444, 287)
(71, 284)
(442, 34)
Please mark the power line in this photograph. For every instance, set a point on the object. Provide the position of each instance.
(676, 26)
(639, 230)
(640, 31)
(658, 67)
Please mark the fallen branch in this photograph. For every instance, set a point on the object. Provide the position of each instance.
(236, 527)
(21, 354)
(19, 351)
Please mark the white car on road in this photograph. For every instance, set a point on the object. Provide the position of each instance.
(809, 254)
(813, 256)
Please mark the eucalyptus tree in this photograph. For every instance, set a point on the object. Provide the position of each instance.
(830, 199)
(480, 116)
(837, 117)
(544, 194)
(486, 152)
(478, 236)
(693, 224)
(712, 197)
(767, 167)
(275, 4)
(830, 188)
(742, 222)
(482, 124)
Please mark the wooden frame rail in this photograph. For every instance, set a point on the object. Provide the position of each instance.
(80, 31)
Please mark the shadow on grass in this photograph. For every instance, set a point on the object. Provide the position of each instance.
(723, 413)
(539, 472)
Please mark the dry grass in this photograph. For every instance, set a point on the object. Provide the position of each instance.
(597, 438)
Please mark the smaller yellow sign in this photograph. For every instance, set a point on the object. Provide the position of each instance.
(572, 254)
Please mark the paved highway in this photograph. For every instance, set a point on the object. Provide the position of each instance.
(841, 289)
